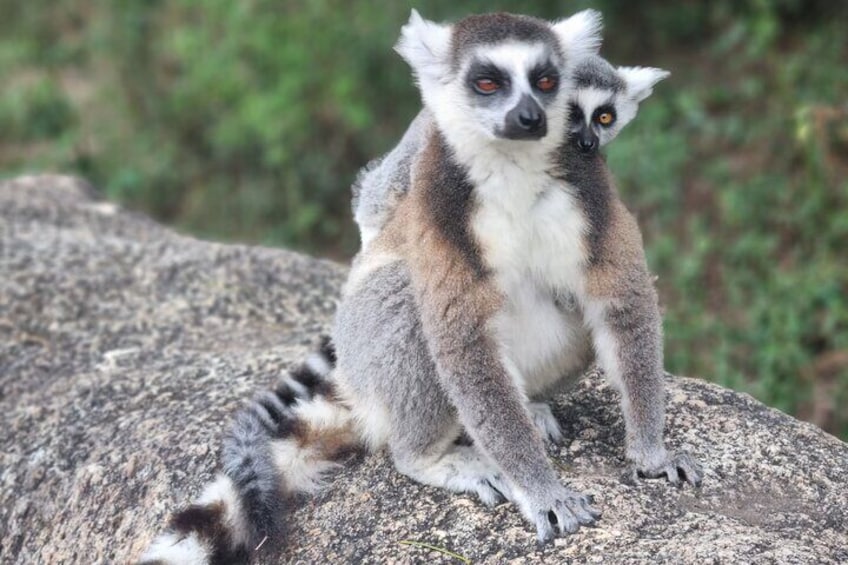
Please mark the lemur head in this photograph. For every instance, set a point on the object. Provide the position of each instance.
(498, 77)
(606, 99)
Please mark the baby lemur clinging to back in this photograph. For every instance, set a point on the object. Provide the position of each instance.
(451, 319)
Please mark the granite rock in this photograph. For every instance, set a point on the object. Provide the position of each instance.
(125, 348)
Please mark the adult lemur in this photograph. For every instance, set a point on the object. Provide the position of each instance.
(451, 319)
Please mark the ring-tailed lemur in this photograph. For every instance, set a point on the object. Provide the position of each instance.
(449, 318)
(455, 301)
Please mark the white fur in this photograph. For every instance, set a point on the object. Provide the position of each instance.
(299, 390)
(305, 466)
(318, 364)
(580, 34)
(373, 422)
(367, 234)
(322, 414)
(222, 490)
(425, 45)
(607, 351)
(590, 99)
(471, 131)
(540, 340)
(370, 417)
(641, 80)
(363, 265)
(606, 346)
(531, 230)
(545, 421)
(459, 469)
(176, 550)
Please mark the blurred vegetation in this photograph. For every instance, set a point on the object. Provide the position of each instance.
(248, 120)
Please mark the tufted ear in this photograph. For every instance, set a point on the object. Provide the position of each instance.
(641, 80)
(425, 45)
(580, 35)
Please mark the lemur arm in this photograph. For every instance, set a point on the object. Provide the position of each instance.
(623, 314)
(455, 310)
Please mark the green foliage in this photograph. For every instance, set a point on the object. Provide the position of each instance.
(248, 120)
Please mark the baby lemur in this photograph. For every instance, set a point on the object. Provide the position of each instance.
(452, 319)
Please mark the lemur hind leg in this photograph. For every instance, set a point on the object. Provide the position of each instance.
(383, 356)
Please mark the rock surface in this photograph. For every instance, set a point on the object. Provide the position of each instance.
(124, 348)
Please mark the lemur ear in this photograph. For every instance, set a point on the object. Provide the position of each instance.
(425, 45)
(641, 80)
(580, 35)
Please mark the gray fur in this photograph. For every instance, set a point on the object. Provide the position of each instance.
(383, 181)
(490, 29)
(587, 174)
(596, 72)
(378, 333)
(434, 376)
(602, 87)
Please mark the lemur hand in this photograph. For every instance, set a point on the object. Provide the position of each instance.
(558, 511)
(676, 467)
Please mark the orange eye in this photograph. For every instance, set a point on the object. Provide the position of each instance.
(486, 85)
(546, 84)
(605, 119)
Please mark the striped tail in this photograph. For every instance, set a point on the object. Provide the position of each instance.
(282, 444)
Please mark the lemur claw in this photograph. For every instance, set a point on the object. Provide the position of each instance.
(678, 468)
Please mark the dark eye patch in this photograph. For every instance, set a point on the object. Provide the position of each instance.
(604, 109)
(575, 114)
(546, 69)
(486, 71)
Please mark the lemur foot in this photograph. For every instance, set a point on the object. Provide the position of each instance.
(677, 468)
(546, 423)
(563, 511)
(462, 469)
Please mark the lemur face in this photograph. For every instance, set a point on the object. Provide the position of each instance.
(606, 99)
(509, 88)
(498, 77)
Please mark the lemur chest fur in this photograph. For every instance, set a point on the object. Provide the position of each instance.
(530, 230)
(531, 235)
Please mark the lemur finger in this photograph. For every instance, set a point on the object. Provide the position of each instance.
(488, 495)
(544, 529)
(501, 486)
(579, 507)
(688, 469)
(563, 518)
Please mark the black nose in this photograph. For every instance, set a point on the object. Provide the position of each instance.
(525, 121)
(587, 140)
(586, 144)
(531, 119)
